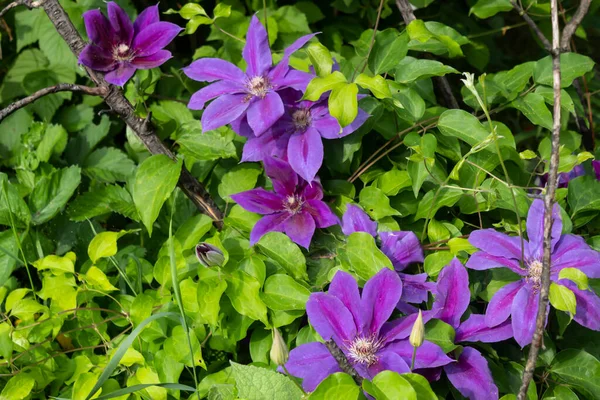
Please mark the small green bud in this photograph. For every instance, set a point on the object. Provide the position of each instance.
(279, 351)
(417, 334)
(209, 255)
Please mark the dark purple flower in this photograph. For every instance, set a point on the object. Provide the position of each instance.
(519, 299)
(295, 207)
(357, 324)
(297, 135)
(565, 177)
(596, 166)
(117, 47)
(402, 248)
(252, 94)
(356, 220)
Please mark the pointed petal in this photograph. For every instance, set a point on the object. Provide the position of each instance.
(153, 61)
(98, 29)
(481, 261)
(587, 312)
(330, 318)
(379, 298)
(596, 166)
(259, 201)
(314, 191)
(222, 111)
(415, 288)
(471, 376)
(120, 75)
(282, 175)
(535, 227)
(322, 214)
(452, 293)
(496, 243)
(154, 38)
(402, 248)
(360, 119)
(328, 127)
(199, 99)
(356, 220)
(305, 153)
(268, 223)
(263, 113)
(524, 312)
(96, 58)
(265, 145)
(256, 51)
(344, 287)
(429, 355)
(300, 228)
(500, 305)
(213, 69)
(474, 329)
(388, 361)
(400, 328)
(120, 22)
(147, 17)
(573, 252)
(313, 363)
(282, 67)
(294, 79)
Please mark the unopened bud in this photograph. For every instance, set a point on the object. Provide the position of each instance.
(279, 351)
(417, 334)
(209, 255)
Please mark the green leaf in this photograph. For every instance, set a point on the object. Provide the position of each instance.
(389, 385)
(534, 108)
(103, 245)
(336, 386)
(240, 178)
(489, 8)
(317, 86)
(411, 69)
(560, 393)
(434, 37)
(222, 10)
(430, 204)
(279, 248)
(52, 192)
(393, 181)
(376, 84)
(579, 369)
(363, 256)
(243, 291)
(155, 180)
(283, 293)
(18, 387)
(206, 146)
(389, 49)
(95, 277)
(108, 164)
(421, 386)
(57, 264)
(137, 388)
(562, 298)
(320, 58)
(572, 65)
(211, 286)
(462, 125)
(566, 102)
(255, 383)
(583, 196)
(434, 262)
(376, 203)
(15, 210)
(343, 103)
(575, 275)
(440, 333)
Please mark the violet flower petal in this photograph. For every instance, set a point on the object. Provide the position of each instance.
(452, 293)
(268, 223)
(120, 22)
(330, 318)
(154, 38)
(265, 145)
(379, 298)
(587, 312)
(152, 61)
(500, 305)
(471, 376)
(300, 228)
(98, 29)
(474, 329)
(147, 17)
(305, 153)
(263, 113)
(535, 228)
(282, 175)
(429, 355)
(257, 52)
(199, 99)
(360, 119)
(481, 261)
(524, 313)
(295, 79)
(213, 69)
(281, 68)
(313, 363)
(222, 111)
(121, 74)
(321, 213)
(400, 328)
(356, 220)
(402, 248)
(328, 127)
(387, 361)
(314, 191)
(596, 167)
(97, 58)
(496, 243)
(344, 287)
(259, 201)
(415, 288)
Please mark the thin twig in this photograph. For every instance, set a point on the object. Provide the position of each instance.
(571, 27)
(61, 87)
(28, 3)
(343, 362)
(549, 201)
(533, 26)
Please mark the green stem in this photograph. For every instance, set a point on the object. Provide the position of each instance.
(412, 361)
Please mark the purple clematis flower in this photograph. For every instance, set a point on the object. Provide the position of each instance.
(297, 136)
(564, 177)
(252, 94)
(402, 248)
(357, 324)
(519, 299)
(295, 208)
(118, 47)
(356, 220)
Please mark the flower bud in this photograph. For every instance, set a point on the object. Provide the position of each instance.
(209, 255)
(417, 334)
(279, 351)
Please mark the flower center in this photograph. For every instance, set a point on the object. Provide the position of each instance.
(535, 273)
(363, 350)
(301, 119)
(258, 86)
(293, 204)
(121, 52)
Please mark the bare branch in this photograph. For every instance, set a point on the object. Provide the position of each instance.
(61, 87)
(533, 26)
(571, 27)
(343, 362)
(115, 99)
(30, 4)
(549, 200)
